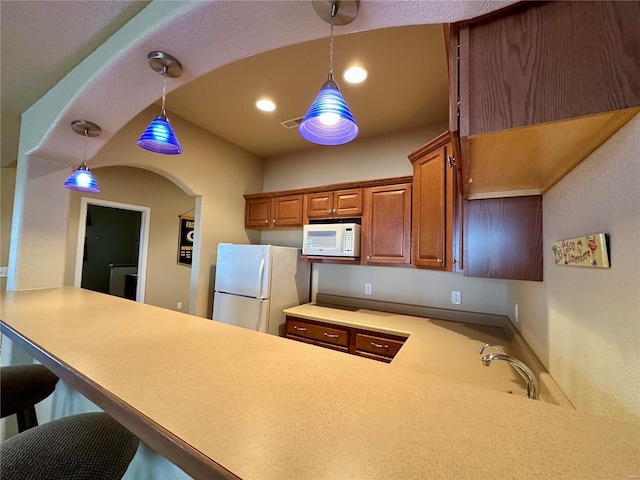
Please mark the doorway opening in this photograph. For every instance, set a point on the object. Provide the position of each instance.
(112, 248)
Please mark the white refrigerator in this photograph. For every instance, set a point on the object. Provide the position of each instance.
(254, 283)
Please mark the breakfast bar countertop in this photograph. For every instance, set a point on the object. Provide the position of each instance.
(224, 402)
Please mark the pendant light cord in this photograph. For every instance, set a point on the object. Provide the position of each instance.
(84, 153)
(334, 11)
(164, 87)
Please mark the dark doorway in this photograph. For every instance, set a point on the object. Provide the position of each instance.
(111, 250)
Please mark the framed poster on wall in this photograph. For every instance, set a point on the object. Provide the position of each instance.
(185, 240)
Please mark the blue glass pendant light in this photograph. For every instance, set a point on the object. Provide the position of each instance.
(159, 136)
(82, 180)
(329, 121)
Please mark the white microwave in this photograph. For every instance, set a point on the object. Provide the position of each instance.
(331, 239)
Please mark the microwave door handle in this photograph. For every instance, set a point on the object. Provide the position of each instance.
(261, 276)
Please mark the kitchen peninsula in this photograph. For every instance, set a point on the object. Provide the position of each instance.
(224, 402)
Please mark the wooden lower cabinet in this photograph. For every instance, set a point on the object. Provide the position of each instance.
(377, 346)
(318, 333)
(374, 345)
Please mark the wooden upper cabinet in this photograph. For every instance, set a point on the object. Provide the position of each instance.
(294, 208)
(541, 85)
(435, 206)
(273, 212)
(257, 213)
(503, 238)
(340, 203)
(386, 226)
(348, 203)
(287, 211)
(550, 61)
(319, 205)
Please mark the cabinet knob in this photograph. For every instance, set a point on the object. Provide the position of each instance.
(295, 327)
(330, 335)
(439, 260)
(334, 210)
(368, 257)
(379, 345)
(451, 161)
(274, 220)
(266, 221)
(455, 261)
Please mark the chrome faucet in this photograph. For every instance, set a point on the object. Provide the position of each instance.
(500, 349)
(518, 366)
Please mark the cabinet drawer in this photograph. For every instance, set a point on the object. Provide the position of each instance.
(318, 332)
(300, 339)
(378, 345)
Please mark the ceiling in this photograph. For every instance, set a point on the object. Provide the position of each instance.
(406, 87)
(42, 41)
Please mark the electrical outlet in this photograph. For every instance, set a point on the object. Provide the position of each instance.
(179, 306)
(515, 312)
(4, 272)
(456, 297)
(367, 289)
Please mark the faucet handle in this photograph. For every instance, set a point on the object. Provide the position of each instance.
(499, 348)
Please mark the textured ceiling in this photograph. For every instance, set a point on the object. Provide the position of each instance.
(43, 41)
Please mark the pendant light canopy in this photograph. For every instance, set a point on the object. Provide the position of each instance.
(329, 121)
(82, 180)
(159, 136)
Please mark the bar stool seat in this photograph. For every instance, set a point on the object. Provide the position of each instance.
(86, 446)
(21, 387)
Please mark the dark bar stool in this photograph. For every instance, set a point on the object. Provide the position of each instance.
(87, 446)
(21, 387)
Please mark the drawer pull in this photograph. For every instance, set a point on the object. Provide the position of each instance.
(302, 329)
(330, 335)
(379, 345)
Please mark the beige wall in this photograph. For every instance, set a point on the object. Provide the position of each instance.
(215, 172)
(584, 324)
(7, 190)
(366, 159)
(382, 156)
(167, 282)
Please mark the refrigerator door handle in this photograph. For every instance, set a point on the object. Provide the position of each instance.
(261, 277)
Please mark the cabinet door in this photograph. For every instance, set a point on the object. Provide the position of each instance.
(320, 205)
(503, 238)
(524, 68)
(348, 203)
(387, 225)
(287, 211)
(257, 213)
(429, 215)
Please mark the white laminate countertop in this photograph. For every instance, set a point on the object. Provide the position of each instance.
(265, 407)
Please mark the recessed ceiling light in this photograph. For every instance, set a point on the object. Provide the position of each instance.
(355, 75)
(265, 105)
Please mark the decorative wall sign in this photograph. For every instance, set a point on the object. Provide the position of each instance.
(185, 242)
(588, 251)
